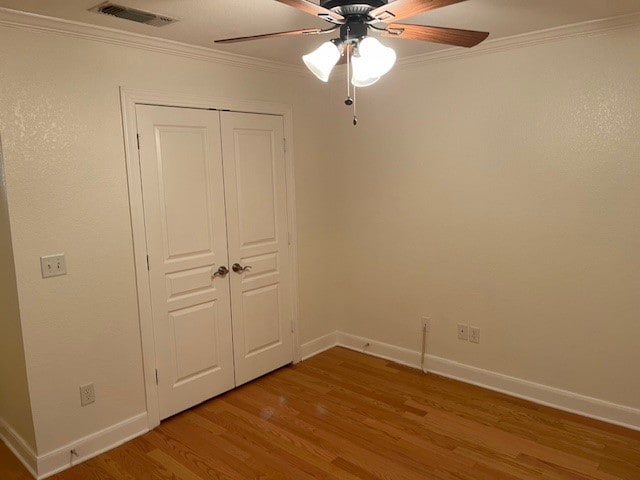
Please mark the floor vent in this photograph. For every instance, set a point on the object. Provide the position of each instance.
(132, 14)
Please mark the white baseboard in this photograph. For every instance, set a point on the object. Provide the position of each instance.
(318, 345)
(91, 445)
(535, 392)
(400, 355)
(542, 394)
(20, 448)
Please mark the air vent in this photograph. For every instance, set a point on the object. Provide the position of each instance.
(132, 14)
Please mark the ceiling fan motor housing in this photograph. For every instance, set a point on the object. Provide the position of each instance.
(331, 4)
(347, 8)
(356, 16)
(355, 29)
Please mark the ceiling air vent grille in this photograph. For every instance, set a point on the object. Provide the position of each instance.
(132, 14)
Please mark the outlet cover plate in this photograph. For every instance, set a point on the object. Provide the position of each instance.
(53, 265)
(463, 331)
(474, 334)
(87, 394)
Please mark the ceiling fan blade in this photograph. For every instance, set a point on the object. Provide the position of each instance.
(305, 31)
(400, 9)
(313, 9)
(448, 36)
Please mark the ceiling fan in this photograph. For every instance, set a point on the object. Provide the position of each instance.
(354, 19)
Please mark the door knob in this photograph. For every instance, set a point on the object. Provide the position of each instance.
(221, 272)
(236, 267)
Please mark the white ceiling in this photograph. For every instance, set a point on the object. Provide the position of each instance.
(203, 21)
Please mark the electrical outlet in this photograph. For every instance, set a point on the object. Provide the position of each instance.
(53, 265)
(425, 322)
(463, 331)
(474, 334)
(87, 394)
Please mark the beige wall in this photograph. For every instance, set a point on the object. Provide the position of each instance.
(501, 190)
(61, 124)
(15, 404)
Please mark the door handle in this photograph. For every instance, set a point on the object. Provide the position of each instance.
(236, 267)
(221, 272)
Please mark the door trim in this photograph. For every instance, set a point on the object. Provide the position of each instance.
(129, 98)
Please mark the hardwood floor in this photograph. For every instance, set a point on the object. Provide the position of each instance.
(345, 415)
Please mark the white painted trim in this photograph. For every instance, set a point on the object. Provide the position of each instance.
(134, 183)
(535, 392)
(292, 226)
(595, 408)
(34, 22)
(152, 97)
(379, 349)
(318, 345)
(91, 445)
(40, 23)
(129, 99)
(20, 448)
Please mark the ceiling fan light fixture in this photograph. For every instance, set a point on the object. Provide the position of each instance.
(322, 60)
(354, 19)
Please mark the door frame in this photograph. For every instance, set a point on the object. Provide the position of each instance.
(129, 98)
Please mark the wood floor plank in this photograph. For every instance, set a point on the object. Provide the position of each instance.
(10, 466)
(344, 415)
(184, 445)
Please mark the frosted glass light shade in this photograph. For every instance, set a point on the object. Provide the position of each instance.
(322, 60)
(379, 59)
(362, 76)
(363, 82)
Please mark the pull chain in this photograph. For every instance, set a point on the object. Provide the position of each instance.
(355, 118)
(348, 101)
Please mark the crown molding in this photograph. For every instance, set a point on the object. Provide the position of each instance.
(40, 23)
(31, 21)
(589, 28)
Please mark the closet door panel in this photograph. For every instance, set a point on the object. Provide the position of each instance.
(255, 192)
(183, 196)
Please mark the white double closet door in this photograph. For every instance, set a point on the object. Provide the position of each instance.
(214, 195)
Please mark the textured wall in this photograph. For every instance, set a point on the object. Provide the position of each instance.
(501, 190)
(15, 404)
(61, 124)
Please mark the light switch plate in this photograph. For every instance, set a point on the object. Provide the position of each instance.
(53, 265)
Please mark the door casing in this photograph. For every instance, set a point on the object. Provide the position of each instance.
(129, 98)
